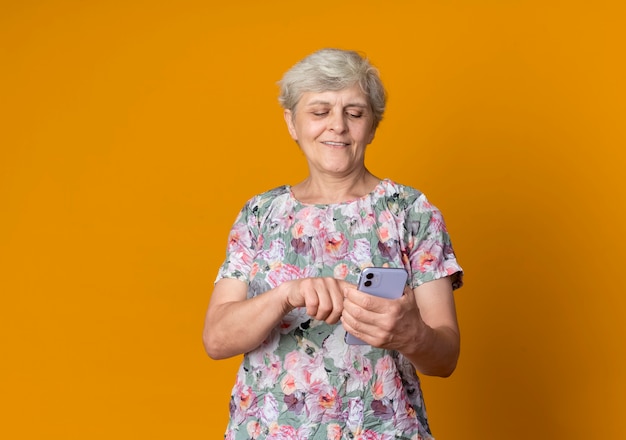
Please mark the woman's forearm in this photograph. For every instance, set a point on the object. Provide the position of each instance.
(236, 327)
(435, 353)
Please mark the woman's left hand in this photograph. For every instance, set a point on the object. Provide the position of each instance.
(421, 324)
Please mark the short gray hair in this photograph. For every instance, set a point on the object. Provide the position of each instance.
(332, 70)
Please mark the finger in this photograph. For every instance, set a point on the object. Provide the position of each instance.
(355, 315)
(330, 300)
(321, 296)
(366, 332)
(310, 297)
(343, 284)
(335, 293)
(373, 328)
(408, 293)
(368, 310)
(366, 301)
(324, 300)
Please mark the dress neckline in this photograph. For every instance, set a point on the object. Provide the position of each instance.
(370, 194)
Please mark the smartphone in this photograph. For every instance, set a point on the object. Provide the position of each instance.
(384, 282)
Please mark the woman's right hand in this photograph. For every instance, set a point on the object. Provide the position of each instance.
(235, 324)
(322, 297)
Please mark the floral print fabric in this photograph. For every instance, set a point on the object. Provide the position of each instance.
(304, 381)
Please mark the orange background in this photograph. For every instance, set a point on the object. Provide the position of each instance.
(133, 131)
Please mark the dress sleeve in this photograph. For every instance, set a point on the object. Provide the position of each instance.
(429, 249)
(241, 247)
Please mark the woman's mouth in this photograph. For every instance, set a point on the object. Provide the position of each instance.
(335, 144)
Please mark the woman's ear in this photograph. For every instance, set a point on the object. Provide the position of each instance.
(288, 115)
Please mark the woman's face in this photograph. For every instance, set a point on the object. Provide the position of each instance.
(333, 128)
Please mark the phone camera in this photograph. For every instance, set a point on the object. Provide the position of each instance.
(369, 276)
(368, 282)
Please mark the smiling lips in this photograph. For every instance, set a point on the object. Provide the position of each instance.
(335, 144)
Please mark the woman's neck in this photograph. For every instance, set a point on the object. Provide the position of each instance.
(331, 189)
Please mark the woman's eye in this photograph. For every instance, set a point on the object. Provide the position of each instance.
(320, 113)
(355, 115)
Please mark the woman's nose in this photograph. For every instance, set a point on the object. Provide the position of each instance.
(336, 122)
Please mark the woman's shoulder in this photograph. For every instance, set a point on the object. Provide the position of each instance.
(262, 201)
(390, 186)
(405, 201)
(399, 193)
(272, 193)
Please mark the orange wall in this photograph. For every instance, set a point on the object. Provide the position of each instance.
(132, 132)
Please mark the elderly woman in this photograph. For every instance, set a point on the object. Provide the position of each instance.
(285, 295)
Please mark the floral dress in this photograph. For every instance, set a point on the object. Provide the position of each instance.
(304, 381)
